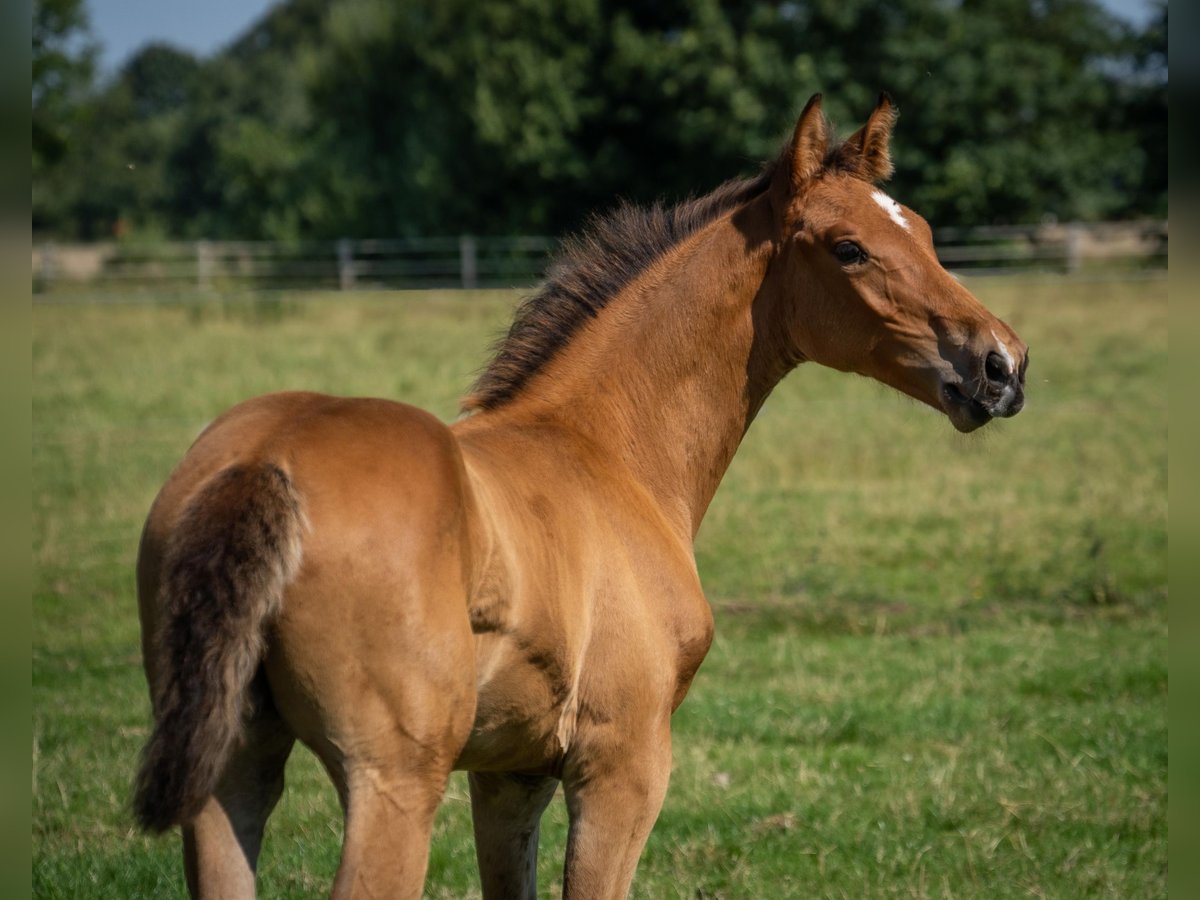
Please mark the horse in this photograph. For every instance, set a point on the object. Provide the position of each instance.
(515, 594)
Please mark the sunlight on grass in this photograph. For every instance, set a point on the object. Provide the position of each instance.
(940, 661)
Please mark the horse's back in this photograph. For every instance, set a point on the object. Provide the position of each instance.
(358, 465)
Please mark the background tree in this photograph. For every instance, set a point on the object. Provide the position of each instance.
(373, 117)
(119, 176)
(1142, 110)
(63, 65)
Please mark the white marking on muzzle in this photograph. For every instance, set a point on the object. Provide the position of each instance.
(891, 207)
(1010, 392)
(1008, 358)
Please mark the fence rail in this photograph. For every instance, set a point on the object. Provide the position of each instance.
(469, 262)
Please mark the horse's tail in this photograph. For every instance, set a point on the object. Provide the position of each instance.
(224, 570)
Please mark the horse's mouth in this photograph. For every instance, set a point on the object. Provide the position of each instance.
(965, 413)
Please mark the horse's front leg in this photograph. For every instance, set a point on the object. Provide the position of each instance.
(614, 792)
(506, 809)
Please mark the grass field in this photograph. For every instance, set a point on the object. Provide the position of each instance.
(940, 667)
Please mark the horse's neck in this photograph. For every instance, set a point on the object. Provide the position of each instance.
(666, 377)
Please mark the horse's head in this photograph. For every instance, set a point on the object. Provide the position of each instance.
(864, 290)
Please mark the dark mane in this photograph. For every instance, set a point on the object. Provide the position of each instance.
(591, 268)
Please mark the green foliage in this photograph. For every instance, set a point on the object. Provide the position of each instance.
(369, 117)
(1027, 129)
(63, 64)
(121, 169)
(940, 663)
(62, 67)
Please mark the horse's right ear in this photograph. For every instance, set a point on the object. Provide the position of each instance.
(866, 152)
(810, 142)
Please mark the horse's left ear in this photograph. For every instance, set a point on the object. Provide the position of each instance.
(867, 150)
(810, 141)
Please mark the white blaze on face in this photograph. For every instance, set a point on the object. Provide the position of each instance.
(891, 207)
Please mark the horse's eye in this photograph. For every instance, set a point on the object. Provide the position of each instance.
(849, 253)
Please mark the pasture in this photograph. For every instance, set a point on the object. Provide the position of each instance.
(940, 665)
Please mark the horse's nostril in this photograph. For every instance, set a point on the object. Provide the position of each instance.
(995, 367)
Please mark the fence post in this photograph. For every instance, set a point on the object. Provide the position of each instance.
(1074, 248)
(203, 265)
(345, 258)
(47, 265)
(468, 261)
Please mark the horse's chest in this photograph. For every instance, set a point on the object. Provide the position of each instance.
(540, 688)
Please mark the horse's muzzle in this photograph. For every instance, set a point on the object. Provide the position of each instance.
(964, 411)
(1003, 388)
(998, 392)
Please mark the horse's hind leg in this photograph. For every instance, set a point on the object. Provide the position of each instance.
(389, 745)
(506, 809)
(389, 807)
(221, 843)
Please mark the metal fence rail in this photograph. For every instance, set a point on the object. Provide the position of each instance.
(469, 262)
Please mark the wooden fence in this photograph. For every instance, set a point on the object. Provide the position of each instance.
(470, 262)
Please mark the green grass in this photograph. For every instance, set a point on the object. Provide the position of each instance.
(940, 665)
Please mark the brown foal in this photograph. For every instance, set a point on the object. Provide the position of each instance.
(515, 595)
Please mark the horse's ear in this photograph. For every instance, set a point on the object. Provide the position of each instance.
(810, 143)
(866, 152)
